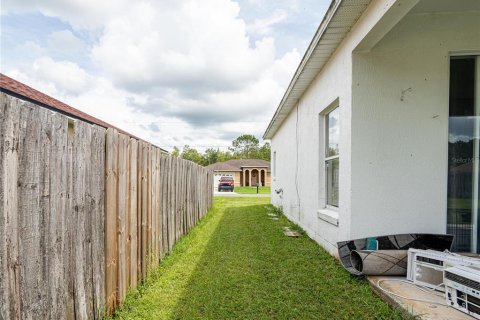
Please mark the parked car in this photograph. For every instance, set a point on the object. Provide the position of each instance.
(226, 183)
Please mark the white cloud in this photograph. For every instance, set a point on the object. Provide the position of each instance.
(67, 77)
(64, 40)
(195, 62)
(194, 45)
(264, 26)
(82, 14)
(170, 72)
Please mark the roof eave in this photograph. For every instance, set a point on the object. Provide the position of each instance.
(316, 56)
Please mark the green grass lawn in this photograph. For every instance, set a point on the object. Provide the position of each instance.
(249, 190)
(237, 264)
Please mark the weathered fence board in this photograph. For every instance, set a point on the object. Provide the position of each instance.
(30, 213)
(132, 232)
(144, 193)
(111, 220)
(97, 209)
(139, 210)
(82, 260)
(4, 306)
(86, 213)
(121, 218)
(57, 227)
(10, 227)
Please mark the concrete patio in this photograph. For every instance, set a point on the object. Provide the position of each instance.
(393, 287)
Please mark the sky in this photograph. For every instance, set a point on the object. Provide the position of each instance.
(174, 73)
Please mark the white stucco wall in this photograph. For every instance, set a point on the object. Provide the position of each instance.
(400, 141)
(382, 138)
(302, 200)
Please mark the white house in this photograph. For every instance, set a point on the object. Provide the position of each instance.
(378, 131)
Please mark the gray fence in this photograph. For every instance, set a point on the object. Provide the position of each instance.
(85, 212)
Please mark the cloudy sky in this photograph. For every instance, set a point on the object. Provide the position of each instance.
(171, 72)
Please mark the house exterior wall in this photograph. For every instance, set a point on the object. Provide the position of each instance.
(297, 147)
(381, 137)
(236, 178)
(400, 124)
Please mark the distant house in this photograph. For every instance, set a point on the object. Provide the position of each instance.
(377, 132)
(245, 172)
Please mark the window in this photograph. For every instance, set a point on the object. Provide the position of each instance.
(463, 153)
(332, 161)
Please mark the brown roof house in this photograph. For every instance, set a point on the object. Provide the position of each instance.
(245, 172)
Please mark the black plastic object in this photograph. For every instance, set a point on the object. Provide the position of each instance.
(380, 262)
(439, 242)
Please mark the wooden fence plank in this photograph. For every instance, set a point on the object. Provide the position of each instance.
(149, 207)
(111, 220)
(153, 208)
(182, 198)
(164, 182)
(10, 171)
(81, 159)
(57, 226)
(97, 188)
(171, 200)
(144, 208)
(139, 210)
(70, 230)
(4, 301)
(121, 217)
(179, 199)
(189, 198)
(128, 201)
(44, 184)
(133, 212)
(89, 206)
(158, 206)
(30, 213)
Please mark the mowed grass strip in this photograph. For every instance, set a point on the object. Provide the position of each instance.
(251, 190)
(238, 264)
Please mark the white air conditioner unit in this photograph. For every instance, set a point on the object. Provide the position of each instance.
(425, 267)
(462, 289)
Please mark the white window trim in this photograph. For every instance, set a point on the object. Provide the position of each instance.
(326, 212)
(327, 111)
(328, 215)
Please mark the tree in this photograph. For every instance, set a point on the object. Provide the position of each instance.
(192, 155)
(211, 155)
(175, 152)
(245, 147)
(264, 151)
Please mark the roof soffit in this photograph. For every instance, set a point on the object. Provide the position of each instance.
(338, 21)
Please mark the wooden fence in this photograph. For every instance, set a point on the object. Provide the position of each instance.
(85, 212)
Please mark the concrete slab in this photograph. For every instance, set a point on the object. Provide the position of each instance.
(290, 233)
(436, 309)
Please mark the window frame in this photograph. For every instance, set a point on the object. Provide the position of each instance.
(327, 158)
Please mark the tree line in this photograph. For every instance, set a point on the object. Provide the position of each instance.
(246, 146)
